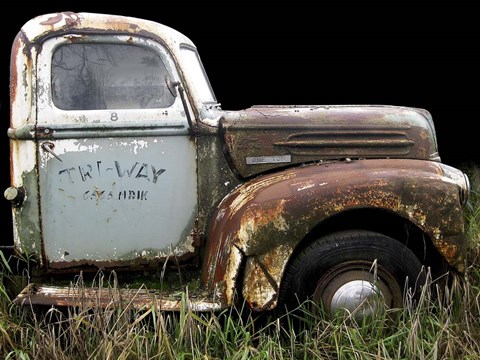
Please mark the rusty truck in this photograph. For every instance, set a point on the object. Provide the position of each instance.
(123, 161)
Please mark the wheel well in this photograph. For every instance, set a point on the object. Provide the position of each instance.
(383, 222)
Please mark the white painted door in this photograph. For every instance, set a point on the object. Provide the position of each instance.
(117, 166)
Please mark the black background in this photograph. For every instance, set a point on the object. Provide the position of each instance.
(421, 54)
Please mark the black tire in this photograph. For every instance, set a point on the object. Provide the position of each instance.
(336, 269)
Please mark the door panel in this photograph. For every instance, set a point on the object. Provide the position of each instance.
(117, 199)
(117, 164)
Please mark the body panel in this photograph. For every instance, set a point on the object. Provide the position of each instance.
(264, 219)
(263, 138)
(117, 199)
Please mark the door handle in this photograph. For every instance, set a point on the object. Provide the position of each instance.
(48, 147)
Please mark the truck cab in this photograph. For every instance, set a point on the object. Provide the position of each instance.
(123, 160)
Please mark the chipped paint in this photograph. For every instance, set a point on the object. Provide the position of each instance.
(110, 191)
(257, 218)
(71, 24)
(267, 213)
(263, 275)
(308, 186)
(247, 192)
(235, 259)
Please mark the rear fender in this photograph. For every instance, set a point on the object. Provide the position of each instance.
(262, 221)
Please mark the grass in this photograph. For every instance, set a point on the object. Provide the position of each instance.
(444, 325)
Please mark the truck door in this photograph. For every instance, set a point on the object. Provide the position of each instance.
(116, 162)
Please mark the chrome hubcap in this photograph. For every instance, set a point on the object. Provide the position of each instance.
(353, 288)
(358, 296)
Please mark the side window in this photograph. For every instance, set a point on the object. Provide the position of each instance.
(108, 76)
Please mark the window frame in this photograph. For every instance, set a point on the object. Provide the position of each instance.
(193, 84)
(49, 113)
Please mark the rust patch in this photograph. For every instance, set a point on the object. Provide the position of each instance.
(260, 218)
(145, 263)
(142, 299)
(278, 210)
(448, 250)
(70, 18)
(364, 194)
(228, 284)
(263, 276)
(53, 20)
(17, 44)
(452, 248)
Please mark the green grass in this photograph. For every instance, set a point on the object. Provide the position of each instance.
(444, 325)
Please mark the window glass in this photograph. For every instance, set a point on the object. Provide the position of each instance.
(108, 76)
(197, 73)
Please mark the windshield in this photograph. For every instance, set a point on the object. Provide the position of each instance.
(197, 74)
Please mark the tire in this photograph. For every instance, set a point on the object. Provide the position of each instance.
(358, 271)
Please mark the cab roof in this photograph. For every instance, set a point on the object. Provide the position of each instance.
(47, 25)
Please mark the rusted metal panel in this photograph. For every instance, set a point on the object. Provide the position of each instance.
(263, 138)
(94, 297)
(263, 275)
(277, 211)
(215, 178)
(23, 171)
(22, 67)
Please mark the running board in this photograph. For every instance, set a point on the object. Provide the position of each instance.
(92, 297)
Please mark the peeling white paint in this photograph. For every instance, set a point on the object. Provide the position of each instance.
(138, 144)
(245, 232)
(109, 197)
(257, 288)
(231, 273)
(211, 121)
(92, 148)
(23, 160)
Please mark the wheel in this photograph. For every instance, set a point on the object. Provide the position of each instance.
(357, 271)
